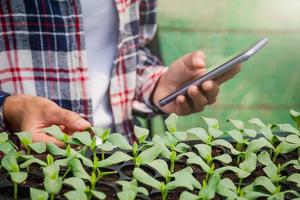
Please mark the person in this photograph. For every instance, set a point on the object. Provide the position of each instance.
(80, 63)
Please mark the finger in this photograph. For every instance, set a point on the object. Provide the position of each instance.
(211, 90)
(182, 106)
(70, 120)
(194, 61)
(228, 75)
(199, 100)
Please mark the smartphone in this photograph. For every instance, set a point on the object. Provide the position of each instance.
(217, 70)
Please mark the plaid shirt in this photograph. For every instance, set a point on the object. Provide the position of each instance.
(42, 53)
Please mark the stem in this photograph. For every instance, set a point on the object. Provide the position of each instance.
(172, 166)
(239, 186)
(66, 172)
(164, 195)
(238, 160)
(102, 154)
(275, 156)
(15, 191)
(52, 196)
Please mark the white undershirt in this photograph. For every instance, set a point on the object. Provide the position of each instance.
(100, 21)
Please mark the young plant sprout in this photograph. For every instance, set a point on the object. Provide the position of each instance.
(10, 164)
(81, 191)
(207, 192)
(26, 141)
(239, 164)
(130, 190)
(182, 179)
(5, 144)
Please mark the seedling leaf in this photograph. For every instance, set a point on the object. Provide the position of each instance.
(185, 180)
(145, 178)
(182, 148)
(120, 141)
(98, 194)
(54, 131)
(200, 133)
(161, 166)
(31, 161)
(107, 146)
(264, 158)
(18, 177)
(198, 161)
(227, 188)
(204, 150)
(25, 138)
(224, 158)
(36, 194)
(9, 161)
(150, 154)
(171, 123)
(55, 150)
(266, 183)
(256, 144)
(236, 123)
(187, 195)
(83, 137)
(296, 117)
(216, 133)
(141, 133)
(78, 170)
(76, 183)
(294, 178)
(287, 128)
(3, 137)
(52, 185)
(211, 123)
(257, 122)
(209, 191)
(249, 164)
(76, 195)
(115, 158)
(38, 147)
(236, 135)
(240, 173)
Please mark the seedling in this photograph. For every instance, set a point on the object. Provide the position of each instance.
(10, 164)
(182, 178)
(130, 190)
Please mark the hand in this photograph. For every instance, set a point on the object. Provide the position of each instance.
(183, 70)
(31, 113)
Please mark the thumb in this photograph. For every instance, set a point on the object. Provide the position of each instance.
(72, 121)
(194, 61)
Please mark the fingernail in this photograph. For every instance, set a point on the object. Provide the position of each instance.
(200, 61)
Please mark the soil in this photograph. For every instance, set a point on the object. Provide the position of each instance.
(110, 178)
(128, 169)
(108, 189)
(7, 193)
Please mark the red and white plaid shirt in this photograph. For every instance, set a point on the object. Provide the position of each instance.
(42, 53)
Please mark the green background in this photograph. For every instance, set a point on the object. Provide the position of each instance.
(268, 85)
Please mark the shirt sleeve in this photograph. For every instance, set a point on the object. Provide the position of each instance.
(149, 67)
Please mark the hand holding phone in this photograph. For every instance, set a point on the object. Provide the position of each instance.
(216, 71)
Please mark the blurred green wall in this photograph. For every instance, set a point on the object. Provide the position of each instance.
(268, 85)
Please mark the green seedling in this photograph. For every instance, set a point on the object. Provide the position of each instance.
(56, 132)
(52, 180)
(296, 118)
(274, 192)
(10, 164)
(130, 190)
(5, 144)
(37, 194)
(81, 190)
(207, 192)
(142, 151)
(26, 141)
(182, 179)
